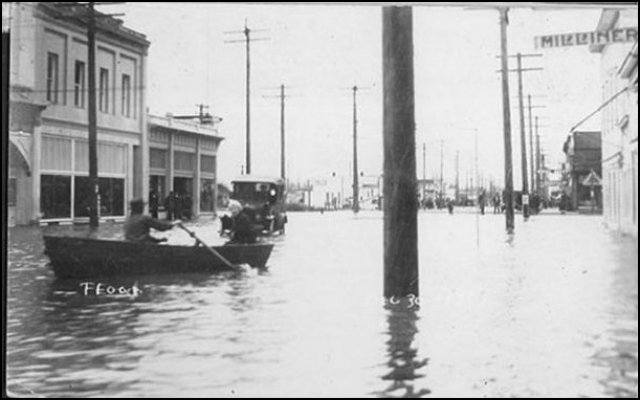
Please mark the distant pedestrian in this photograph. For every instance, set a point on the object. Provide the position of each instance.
(450, 206)
(170, 205)
(153, 203)
(496, 204)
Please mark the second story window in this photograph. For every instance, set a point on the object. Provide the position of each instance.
(52, 77)
(103, 98)
(78, 85)
(126, 95)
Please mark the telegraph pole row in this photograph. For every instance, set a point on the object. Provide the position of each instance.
(531, 151)
(247, 40)
(523, 144)
(538, 157)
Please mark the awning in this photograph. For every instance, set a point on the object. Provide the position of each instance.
(22, 142)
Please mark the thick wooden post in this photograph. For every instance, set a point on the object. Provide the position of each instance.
(94, 218)
(400, 201)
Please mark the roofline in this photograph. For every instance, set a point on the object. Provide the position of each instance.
(183, 126)
(105, 25)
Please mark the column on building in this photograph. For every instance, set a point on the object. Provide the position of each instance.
(207, 151)
(184, 171)
(160, 171)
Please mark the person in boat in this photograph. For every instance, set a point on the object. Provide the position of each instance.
(243, 231)
(138, 225)
(226, 221)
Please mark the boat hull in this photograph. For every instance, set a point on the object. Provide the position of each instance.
(75, 257)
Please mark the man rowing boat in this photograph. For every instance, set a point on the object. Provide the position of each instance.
(138, 225)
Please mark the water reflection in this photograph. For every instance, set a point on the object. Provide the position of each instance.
(67, 336)
(529, 314)
(404, 362)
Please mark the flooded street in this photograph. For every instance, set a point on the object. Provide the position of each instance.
(550, 311)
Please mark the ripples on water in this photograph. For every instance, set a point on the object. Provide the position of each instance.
(550, 311)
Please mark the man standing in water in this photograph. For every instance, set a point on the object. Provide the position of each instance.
(138, 225)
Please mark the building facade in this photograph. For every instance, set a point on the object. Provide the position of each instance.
(48, 127)
(619, 78)
(583, 166)
(183, 162)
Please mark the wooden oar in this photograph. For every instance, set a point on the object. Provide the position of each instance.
(211, 249)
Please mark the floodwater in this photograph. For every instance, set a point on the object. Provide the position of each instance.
(549, 311)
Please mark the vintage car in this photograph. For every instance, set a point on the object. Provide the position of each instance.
(265, 197)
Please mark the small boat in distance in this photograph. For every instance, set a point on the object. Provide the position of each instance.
(81, 257)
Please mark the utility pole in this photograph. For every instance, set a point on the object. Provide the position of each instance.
(94, 218)
(356, 191)
(537, 158)
(247, 40)
(531, 164)
(400, 202)
(506, 123)
(457, 176)
(247, 33)
(478, 190)
(523, 144)
(282, 148)
(441, 169)
(281, 96)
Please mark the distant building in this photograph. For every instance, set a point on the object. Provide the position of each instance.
(427, 189)
(48, 151)
(584, 157)
(183, 159)
(619, 79)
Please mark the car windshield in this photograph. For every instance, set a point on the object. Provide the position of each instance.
(252, 191)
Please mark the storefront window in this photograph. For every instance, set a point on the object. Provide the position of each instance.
(55, 196)
(111, 196)
(207, 195)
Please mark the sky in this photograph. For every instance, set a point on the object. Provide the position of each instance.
(320, 51)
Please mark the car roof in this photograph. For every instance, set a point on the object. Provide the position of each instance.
(258, 179)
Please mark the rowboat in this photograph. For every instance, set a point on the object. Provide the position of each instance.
(82, 257)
